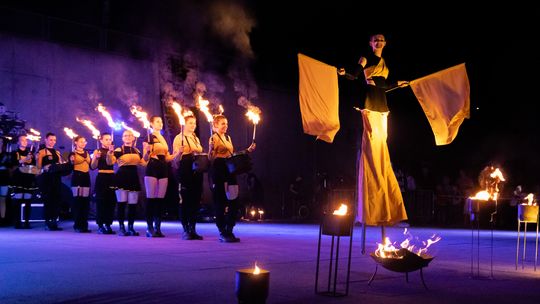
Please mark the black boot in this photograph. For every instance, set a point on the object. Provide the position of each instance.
(131, 231)
(150, 206)
(193, 232)
(108, 229)
(122, 231)
(101, 229)
(158, 228)
(186, 235)
(230, 237)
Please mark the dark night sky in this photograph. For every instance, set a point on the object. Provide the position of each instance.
(499, 45)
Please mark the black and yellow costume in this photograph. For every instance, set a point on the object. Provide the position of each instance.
(104, 191)
(190, 184)
(50, 184)
(157, 168)
(80, 178)
(127, 178)
(23, 184)
(225, 210)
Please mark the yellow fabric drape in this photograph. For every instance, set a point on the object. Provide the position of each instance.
(379, 198)
(319, 103)
(445, 99)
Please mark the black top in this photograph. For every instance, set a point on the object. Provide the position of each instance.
(102, 161)
(50, 159)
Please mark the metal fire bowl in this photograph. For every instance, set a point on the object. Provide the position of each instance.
(408, 262)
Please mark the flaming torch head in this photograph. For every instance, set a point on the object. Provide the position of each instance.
(203, 106)
(142, 116)
(253, 114)
(178, 110)
(70, 133)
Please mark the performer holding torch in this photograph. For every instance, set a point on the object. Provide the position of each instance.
(224, 185)
(156, 152)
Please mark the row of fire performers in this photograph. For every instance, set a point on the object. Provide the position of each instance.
(24, 174)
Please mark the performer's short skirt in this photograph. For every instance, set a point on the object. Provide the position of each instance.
(23, 182)
(127, 178)
(157, 168)
(104, 184)
(80, 179)
(4, 177)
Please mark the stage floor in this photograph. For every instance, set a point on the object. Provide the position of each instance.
(38, 266)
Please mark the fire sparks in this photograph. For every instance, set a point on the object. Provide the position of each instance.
(142, 116)
(178, 110)
(90, 126)
(70, 133)
(389, 250)
(135, 133)
(256, 270)
(342, 210)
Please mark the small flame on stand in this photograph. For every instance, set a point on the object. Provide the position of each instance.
(342, 210)
(256, 270)
(529, 200)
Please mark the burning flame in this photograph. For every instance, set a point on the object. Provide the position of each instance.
(135, 133)
(388, 250)
(35, 132)
(90, 126)
(497, 174)
(70, 133)
(342, 210)
(530, 200)
(256, 270)
(142, 116)
(101, 109)
(221, 109)
(253, 114)
(33, 137)
(481, 196)
(178, 110)
(203, 106)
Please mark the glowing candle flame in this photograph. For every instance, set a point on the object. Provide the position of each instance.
(35, 132)
(203, 106)
(135, 133)
(70, 133)
(90, 126)
(142, 116)
(256, 270)
(178, 110)
(342, 210)
(101, 109)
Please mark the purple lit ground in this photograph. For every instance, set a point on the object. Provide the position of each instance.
(38, 266)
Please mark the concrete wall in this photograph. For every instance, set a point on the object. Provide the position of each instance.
(51, 84)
